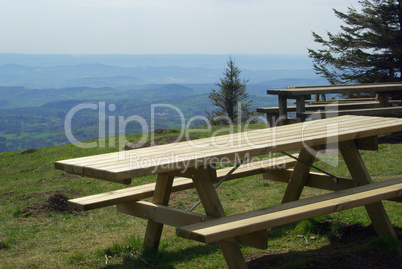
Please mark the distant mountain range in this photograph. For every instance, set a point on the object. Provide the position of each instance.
(61, 71)
(215, 61)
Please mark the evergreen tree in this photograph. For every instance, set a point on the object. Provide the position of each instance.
(230, 98)
(369, 47)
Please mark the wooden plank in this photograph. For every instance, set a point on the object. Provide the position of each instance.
(179, 184)
(299, 175)
(235, 151)
(290, 131)
(377, 88)
(355, 100)
(378, 111)
(161, 214)
(123, 195)
(284, 139)
(235, 225)
(262, 137)
(125, 155)
(98, 160)
(161, 196)
(212, 205)
(314, 180)
(361, 176)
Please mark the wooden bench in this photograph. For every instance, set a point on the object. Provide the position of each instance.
(344, 108)
(179, 184)
(376, 111)
(350, 100)
(235, 225)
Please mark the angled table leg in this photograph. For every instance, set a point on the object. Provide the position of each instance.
(360, 176)
(213, 207)
(299, 175)
(161, 196)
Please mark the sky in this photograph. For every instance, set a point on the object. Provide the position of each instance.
(166, 26)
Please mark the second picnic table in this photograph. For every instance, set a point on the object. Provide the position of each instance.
(301, 94)
(193, 162)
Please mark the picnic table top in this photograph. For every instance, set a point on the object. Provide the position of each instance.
(196, 153)
(376, 88)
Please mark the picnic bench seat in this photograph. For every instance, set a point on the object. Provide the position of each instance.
(334, 107)
(179, 184)
(257, 220)
(376, 111)
(349, 100)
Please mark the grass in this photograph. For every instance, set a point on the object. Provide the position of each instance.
(104, 238)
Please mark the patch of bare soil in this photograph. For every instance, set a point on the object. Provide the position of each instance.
(160, 141)
(28, 151)
(57, 202)
(341, 253)
(165, 131)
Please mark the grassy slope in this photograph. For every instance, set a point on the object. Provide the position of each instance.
(49, 240)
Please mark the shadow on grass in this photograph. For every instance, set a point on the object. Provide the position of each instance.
(354, 246)
(329, 258)
(351, 246)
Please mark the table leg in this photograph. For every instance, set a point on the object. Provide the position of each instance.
(360, 176)
(300, 108)
(299, 175)
(283, 110)
(270, 120)
(161, 196)
(213, 207)
(383, 99)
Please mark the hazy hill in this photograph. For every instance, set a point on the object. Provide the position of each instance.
(60, 71)
(214, 61)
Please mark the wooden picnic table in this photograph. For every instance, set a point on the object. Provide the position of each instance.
(195, 161)
(301, 94)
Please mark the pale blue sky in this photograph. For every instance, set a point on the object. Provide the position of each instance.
(165, 27)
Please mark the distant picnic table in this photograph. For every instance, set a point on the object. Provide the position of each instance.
(191, 164)
(379, 106)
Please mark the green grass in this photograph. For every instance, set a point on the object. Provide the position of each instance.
(94, 238)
